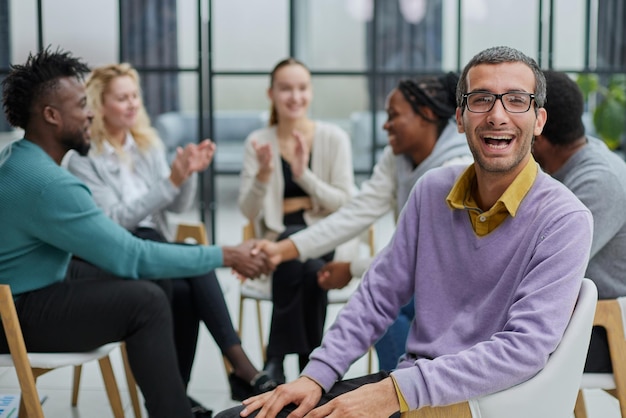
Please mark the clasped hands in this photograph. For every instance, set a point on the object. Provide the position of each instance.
(333, 275)
(252, 258)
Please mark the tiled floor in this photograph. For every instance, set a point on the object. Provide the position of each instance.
(208, 382)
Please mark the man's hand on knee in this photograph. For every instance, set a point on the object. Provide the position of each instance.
(303, 392)
(371, 400)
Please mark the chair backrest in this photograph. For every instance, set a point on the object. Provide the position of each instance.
(552, 392)
(191, 234)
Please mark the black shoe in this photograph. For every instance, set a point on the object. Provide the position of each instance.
(274, 369)
(262, 383)
(198, 410)
(241, 390)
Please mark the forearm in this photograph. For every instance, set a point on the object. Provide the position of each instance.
(329, 196)
(251, 199)
(186, 195)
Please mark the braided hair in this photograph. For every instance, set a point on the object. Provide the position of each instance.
(437, 93)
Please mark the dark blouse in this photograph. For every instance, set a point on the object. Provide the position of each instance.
(292, 190)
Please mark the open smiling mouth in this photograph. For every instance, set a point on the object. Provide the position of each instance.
(497, 142)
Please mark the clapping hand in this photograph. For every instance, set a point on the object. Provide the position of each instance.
(265, 160)
(194, 158)
(301, 154)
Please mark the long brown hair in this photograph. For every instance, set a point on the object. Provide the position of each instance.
(97, 84)
(287, 61)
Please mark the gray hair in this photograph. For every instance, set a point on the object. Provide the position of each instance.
(499, 55)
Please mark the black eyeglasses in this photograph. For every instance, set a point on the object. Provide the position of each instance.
(479, 102)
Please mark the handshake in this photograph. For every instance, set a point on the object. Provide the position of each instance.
(254, 258)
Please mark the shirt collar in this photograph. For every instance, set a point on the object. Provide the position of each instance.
(462, 191)
(129, 145)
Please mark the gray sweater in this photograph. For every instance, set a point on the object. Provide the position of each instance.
(597, 176)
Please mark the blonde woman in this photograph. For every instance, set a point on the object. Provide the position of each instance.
(295, 172)
(131, 181)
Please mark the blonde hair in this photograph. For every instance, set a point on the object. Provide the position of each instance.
(287, 61)
(97, 85)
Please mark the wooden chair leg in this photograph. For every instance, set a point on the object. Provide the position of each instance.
(259, 319)
(580, 410)
(370, 359)
(240, 325)
(29, 402)
(22, 412)
(30, 405)
(112, 389)
(76, 384)
(130, 381)
(620, 394)
(227, 366)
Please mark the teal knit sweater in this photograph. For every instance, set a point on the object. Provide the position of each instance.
(47, 214)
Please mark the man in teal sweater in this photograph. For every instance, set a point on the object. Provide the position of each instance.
(47, 215)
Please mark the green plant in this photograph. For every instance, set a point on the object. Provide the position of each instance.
(609, 116)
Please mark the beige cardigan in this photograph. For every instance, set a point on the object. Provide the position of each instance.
(329, 182)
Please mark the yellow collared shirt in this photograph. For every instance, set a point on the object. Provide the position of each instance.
(462, 197)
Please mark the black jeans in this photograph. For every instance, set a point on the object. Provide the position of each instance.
(341, 387)
(85, 314)
(299, 309)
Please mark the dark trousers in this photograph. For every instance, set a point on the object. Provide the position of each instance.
(299, 309)
(82, 315)
(598, 357)
(341, 387)
(195, 299)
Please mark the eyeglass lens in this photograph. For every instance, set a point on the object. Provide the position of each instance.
(512, 102)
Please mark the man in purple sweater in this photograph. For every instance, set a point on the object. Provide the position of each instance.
(493, 254)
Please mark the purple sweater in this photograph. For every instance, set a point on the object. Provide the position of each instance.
(488, 310)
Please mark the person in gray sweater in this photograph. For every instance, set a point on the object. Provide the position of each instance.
(597, 176)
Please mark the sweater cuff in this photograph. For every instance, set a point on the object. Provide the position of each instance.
(302, 245)
(404, 406)
(306, 180)
(169, 190)
(320, 373)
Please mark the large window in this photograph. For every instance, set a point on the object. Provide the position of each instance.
(213, 57)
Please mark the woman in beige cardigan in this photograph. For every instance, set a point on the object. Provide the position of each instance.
(295, 172)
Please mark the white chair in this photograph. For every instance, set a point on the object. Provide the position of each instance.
(29, 366)
(549, 394)
(610, 316)
(260, 290)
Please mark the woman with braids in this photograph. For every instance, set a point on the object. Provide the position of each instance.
(127, 173)
(422, 135)
(295, 172)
